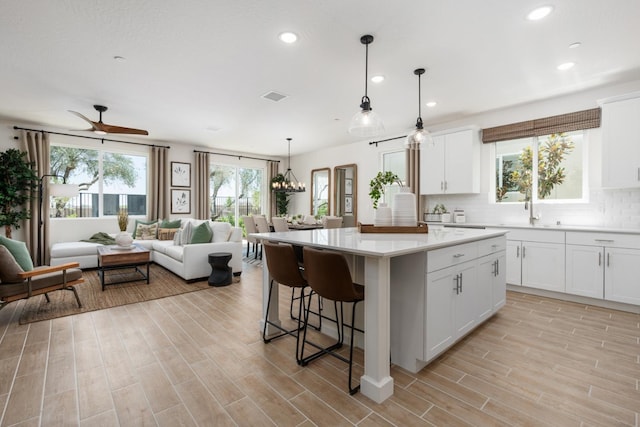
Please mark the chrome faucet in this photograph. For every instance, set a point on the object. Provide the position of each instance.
(528, 205)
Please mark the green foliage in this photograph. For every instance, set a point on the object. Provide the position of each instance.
(377, 184)
(551, 153)
(18, 182)
(282, 199)
(507, 180)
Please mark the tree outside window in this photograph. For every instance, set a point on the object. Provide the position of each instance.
(554, 161)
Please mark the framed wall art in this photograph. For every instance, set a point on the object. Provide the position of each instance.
(348, 186)
(348, 204)
(180, 201)
(180, 174)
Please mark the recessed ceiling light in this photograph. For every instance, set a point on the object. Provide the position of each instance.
(377, 79)
(119, 58)
(539, 13)
(566, 66)
(431, 104)
(288, 37)
(575, 45)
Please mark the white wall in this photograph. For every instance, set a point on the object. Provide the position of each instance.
(605, 207)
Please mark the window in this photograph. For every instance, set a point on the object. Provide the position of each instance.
(551, 167)
(394, 161)
(108, 181)
(235, 191)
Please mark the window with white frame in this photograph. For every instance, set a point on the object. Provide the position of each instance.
(394, 161)
(544, 168)
(109, 181)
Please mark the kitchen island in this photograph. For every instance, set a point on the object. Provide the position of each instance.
(394, 267)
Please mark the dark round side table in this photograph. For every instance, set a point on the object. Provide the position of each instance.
(221, 273)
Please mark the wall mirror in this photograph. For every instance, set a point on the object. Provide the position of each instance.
(321, 192)
(346, 194)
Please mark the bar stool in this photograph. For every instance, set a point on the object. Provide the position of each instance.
(328, 276)
(283, 269)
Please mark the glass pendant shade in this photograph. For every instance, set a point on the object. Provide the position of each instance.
(366, 124)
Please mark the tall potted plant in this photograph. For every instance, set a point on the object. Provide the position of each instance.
(18, 182)
(383, 215)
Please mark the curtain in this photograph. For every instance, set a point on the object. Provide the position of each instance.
(38, 151)
(271, 200)
(203, 210)
(413, 172)
(158, 199)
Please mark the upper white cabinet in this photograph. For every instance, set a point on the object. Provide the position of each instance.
(621, 144)
(451, 164)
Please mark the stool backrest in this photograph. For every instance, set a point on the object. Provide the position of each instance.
(328, 275)
(283, 264)
(332, 222)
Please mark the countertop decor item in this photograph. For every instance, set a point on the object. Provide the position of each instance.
(404, 208)
(378, 183)
(123, 239)
(366, 123)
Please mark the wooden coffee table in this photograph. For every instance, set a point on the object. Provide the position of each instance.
(113, 257)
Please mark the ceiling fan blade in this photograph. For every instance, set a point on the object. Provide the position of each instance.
(94, 125)
(119, 129)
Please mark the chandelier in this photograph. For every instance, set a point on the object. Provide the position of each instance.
(290, 183)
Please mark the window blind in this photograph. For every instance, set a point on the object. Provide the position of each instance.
(579, 120)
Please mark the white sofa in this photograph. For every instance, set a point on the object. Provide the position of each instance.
(189, 261)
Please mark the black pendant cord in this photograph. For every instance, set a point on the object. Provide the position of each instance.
(366, 70)
(419, 72)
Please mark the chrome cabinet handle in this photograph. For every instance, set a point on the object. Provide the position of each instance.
(458, 255)
(608, 258)
(442, 185)
(600, 259)
(523, 249)
(518, 252)
(460, 282)
(445, 186)
(497, 267)
(457, 288)
(605, 240)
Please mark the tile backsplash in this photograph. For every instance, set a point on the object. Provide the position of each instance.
(605, 208)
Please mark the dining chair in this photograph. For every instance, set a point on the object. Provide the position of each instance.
(279, 223)
(250, 227)
(332, 222)
(263, 227)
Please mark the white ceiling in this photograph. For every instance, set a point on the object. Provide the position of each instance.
(195, 70)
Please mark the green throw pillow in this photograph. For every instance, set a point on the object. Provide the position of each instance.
(170, 224)
(19, 252)
(202, 234)
(137, 232)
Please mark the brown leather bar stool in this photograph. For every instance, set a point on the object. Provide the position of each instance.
(284, 269)
(328, 275)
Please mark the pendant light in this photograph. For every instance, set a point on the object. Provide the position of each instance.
(366, 123)
(290, 183)
(419, 135)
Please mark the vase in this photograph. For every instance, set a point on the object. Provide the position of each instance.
(404, 209)
(382, 216)
(124, 239)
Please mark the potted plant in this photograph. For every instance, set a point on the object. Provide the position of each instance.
(123, 238)
(378, 183)
(18, 181)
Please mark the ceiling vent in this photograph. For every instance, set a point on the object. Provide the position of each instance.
(274, 96)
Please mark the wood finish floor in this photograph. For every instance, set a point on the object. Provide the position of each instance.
(197, 359)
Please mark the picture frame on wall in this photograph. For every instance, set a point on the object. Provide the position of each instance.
(180, 174)
(180, 201)
(348, 204)
(348, 186)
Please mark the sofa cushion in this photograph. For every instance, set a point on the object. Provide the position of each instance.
(145, 230)
(145, 243)
(202, 234)
(162, 245)
(171, 224)
(221, 231)
(71, 249)
(185, 234)
(19, 251)
(9, 267)
(167, 233)
(174, 252)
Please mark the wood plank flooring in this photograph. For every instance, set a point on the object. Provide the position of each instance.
(197, 359)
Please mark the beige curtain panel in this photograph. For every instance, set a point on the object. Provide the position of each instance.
(579, 120)
(413, 172)
(272, 168)
(38, 151)
(158, 197)
(203, 209)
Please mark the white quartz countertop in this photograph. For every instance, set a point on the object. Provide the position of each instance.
(558, 227)
(350, 240)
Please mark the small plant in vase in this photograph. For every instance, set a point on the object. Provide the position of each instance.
(123, 238)
(383, 214)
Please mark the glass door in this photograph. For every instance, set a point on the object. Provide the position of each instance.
(235, 191)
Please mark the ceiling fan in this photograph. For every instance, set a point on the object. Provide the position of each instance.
(102, 128)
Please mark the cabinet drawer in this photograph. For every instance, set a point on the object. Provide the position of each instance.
(612, 240)
(536, 235)
(490, 246)
(446, 257)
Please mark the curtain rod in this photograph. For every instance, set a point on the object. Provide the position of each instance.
(236, 155)
(385, 140)
(88, 137)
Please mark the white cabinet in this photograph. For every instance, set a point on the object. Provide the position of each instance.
(621, 143)
(604, 265)
(536, 258)
(450, 164)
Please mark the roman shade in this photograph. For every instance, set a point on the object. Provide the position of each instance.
(579, 120)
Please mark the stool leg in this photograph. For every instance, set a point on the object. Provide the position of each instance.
(353, 390)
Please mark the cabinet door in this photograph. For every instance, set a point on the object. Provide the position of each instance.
(514, 262)
(621, 275)
(432, 166)
(468, 303)
(621, 144)
(499, 286)
(585, 271)
(439, 308)
(486, 275)
(543, 265)
(460, 163)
